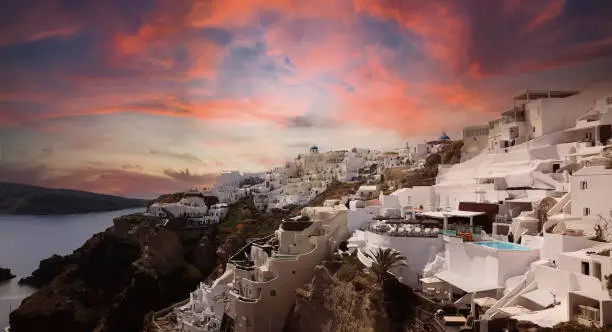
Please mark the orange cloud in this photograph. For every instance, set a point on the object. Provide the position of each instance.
(39, 22)
(106, 180)
(551, 11)
(239, 13)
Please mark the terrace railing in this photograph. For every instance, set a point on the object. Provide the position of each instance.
(503, 219)
(403, 233)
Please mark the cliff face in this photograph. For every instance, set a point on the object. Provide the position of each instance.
(117, 277)
(342, 298)
(110, 283)
(47, 270)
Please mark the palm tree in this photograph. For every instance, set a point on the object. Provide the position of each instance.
(384, 260)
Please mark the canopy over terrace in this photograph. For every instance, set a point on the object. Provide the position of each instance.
(453, 213)
(540, 94)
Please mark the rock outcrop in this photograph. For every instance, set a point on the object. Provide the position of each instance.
(5, 274)
(342, 298)
(110, 283)
(47, 270)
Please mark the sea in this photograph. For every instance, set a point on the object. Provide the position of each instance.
(26, 240)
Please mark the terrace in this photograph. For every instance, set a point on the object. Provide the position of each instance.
(415, 228)
(242, 258)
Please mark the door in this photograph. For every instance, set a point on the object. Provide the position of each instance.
(585, 268)
(597, 270)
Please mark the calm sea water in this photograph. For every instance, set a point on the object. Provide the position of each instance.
(26, 240)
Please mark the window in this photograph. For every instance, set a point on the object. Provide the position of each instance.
(587, 211)
(273, 292)
(584, 185)
(585, 268)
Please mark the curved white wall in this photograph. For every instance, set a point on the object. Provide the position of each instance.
(418, 251)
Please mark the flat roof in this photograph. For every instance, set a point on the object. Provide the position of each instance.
(589, 125)
(538, 94)
(430, 280)
(477, 126)
(454, 213)
(373, 188)
(515, 310)
(591, 150)
(541, 297)
(454, 319)
(467, 284)
(599, 296)
(485, 302)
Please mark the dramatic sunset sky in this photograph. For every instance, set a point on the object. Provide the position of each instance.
(144, 96)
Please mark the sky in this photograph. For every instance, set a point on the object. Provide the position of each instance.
(149, 96)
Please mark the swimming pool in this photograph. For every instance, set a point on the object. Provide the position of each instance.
(497, 245)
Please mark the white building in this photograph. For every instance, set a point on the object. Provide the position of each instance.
(216, 213)
(569, 288)
(191, 205)
(480, 269)
(535, 114)
(257, 290)
(590, 192)
(475, 140)
(416, 197)
(368, 192)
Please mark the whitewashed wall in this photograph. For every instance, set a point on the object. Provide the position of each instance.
(418, 251)
(556, 244)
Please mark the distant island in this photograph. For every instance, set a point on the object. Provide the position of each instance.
(26, 199)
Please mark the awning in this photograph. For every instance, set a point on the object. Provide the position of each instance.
(466, 284)
(454, 213)
(523, 200)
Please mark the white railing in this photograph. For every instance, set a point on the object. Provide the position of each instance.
(511, 295)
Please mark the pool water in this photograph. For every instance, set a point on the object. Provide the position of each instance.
(502, 245)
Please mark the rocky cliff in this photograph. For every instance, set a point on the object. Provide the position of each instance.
(5, 274)
(118, 277)
(342, 297)
(109, 284)
(133, 268)
(47, 270)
